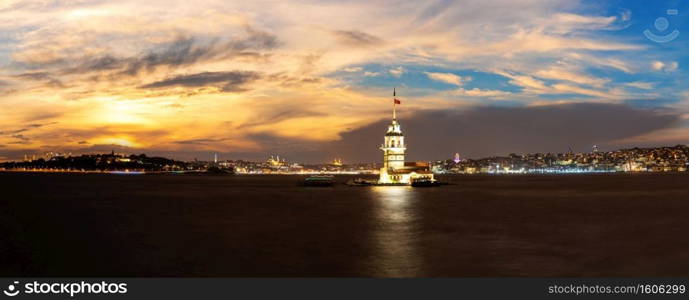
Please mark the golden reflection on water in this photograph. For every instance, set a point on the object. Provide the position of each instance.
(395, 233)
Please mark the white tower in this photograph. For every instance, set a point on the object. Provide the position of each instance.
(393, 148)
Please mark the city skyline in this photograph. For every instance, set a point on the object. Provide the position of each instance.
(310, 80)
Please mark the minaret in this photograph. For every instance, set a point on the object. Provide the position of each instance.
(393, 147)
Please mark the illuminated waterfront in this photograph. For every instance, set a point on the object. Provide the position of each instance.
(657, 159)
(180, 225)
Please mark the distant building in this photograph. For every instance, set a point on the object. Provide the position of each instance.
(395, 170)
(276, 161)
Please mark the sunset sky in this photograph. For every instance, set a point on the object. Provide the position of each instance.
(313, 80)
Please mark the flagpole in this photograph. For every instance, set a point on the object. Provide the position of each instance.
(394, 114)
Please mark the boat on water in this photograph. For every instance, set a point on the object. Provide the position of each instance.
(319, 180)
(425, 183)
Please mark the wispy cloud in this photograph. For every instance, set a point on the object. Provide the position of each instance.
(232, 81)
(664, 66)
(641, 85)
(397, 72)
(476, 92)
(357, 38)
(448, 78)
(574, 77)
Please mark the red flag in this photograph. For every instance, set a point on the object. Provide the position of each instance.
(397, 101)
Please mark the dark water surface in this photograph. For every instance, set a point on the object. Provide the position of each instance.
(167, 225)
